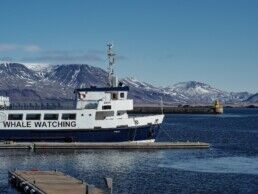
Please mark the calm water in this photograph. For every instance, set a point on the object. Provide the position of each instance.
(230, 166)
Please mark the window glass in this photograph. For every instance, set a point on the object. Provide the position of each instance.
(106, 107)
(114, 96)
(51, 117)
(69, 116)
(33, 117)
(101, 115)
(122, 95)
(91, 106)
(15, 116)
(119, 113)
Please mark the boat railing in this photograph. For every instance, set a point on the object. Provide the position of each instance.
(41, 105)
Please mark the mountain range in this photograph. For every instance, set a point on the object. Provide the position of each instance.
(25, 82)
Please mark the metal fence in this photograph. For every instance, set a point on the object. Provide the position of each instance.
(42, 105)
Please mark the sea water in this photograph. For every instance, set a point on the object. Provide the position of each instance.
(229, 166)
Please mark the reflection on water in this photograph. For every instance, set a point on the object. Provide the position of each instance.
(242, 165)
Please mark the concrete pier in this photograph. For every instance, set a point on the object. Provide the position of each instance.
(50, 182)
(175, 110)
(116, 145)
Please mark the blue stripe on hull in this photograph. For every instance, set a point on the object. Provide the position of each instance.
(83, 135)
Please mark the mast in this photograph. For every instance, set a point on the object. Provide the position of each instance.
(111, 60)
(161, 105)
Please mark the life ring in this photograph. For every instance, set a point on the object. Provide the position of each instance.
(82, 96)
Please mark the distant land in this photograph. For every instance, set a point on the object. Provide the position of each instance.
(25, 82)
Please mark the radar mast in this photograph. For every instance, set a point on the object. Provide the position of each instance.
(112, 80)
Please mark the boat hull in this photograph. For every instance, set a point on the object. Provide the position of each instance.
(142, 133)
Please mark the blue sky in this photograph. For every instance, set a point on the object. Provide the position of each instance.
(161, 42)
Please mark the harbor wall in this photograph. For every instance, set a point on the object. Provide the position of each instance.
(138, 109)
(175, 110)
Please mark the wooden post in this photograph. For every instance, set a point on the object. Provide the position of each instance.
(90, 189)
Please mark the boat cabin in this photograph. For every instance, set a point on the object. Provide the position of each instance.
(107, 101)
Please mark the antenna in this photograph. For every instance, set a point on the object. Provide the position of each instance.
(111, 60)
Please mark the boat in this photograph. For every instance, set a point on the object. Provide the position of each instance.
(100, 115)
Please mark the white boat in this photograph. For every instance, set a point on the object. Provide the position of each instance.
(100, 116)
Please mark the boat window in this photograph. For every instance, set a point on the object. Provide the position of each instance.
(119, 113)
(114, 96)
(15, 116)
(68, 116)
(101, 115)
(51, 117)
(106, 107)
(91, 106)
(33, 116)
(122, 95)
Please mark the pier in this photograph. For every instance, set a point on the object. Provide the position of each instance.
(116, 145)
(50, 182)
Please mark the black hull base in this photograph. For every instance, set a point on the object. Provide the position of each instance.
(83, 135)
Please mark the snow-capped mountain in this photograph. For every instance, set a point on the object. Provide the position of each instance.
(40, 69)
(253, 98)
(44, 81)
(75, 75)
(193, 92)
(190, 92)
(39, 81)
(143, 92)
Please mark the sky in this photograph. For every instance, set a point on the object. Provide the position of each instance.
(158, 41)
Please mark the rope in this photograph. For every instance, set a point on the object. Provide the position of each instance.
(166, 133)
(134, 133)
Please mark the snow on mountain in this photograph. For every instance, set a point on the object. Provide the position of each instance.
(195, 92)
(253, 99)
(78, 75)
(144, 93)
(191, 92)
(193, 88)
(16, 70)
(38, 67)
(133, 82)
(45, 81)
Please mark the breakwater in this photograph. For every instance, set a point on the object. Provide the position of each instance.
(176, 110)
(103, 145)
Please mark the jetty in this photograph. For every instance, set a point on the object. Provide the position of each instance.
(104, 145)
(177, 110)
(50, 182)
